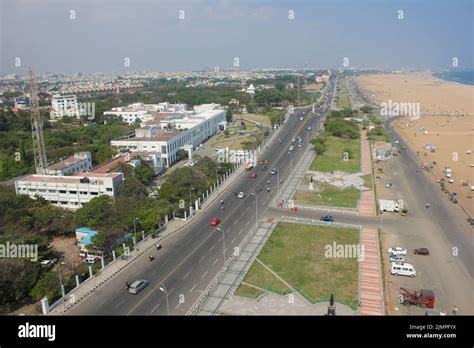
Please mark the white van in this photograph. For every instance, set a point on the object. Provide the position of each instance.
(406, 269)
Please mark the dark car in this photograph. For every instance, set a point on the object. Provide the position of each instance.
(470, 221)
(421, 251)
(327, 218)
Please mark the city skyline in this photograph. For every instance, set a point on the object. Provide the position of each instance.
(185, 35)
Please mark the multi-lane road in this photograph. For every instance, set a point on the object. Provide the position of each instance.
(191, 258)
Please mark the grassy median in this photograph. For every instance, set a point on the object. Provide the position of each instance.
(330, 196)
(333, 159)
(296, 253)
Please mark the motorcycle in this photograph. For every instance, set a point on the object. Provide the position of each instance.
(151, 258)
(127, 285)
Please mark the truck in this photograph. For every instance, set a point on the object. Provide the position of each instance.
(389, 205)
(423, 298)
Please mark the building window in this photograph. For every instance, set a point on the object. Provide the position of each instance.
(72, 192)
(94, 193)
(109, 189)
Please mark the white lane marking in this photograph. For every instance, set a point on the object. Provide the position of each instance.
(177, 306)
(193, 288)
(118, 304)
(241, 231)
(232, 242)
(235, 222)
(215, 262)
(204, 275)
(242, 215)
(202, 258)
(102, 303)
(169, 293)
(220, 239)
(155, 308)
(187, 274)
(211, 248)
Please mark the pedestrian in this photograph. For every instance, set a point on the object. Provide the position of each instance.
(455, 310)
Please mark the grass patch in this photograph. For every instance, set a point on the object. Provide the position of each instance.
(343, 101)
(248, 291)
(330, 196)
(332, 159)
(367, 180)
(260, 275)
(297, 254)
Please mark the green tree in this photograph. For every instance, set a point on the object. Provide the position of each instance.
(17, 278)
(48, 285)
(98, 212)
(144, 173)
(133, 188)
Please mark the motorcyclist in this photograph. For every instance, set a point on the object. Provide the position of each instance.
(268, 182)
(427, 205)
(158, 246)
(127, 285)
(222, 201)
(268, 189)
(151, 257)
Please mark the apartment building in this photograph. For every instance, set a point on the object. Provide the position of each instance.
(79, 162)
(146, 112)
(69, 192)
(64, 105)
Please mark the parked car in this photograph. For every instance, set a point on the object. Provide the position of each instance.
(404, 212)
(421, 251)
(49, 263)
(396, 258)
(215, 221)
(91, 260)
(291, 148)
(138, 286)
(253, 175)
(397, 251)
(327, 218)
(241, 194)
(274, 171)
(263, 162)
(404, 269)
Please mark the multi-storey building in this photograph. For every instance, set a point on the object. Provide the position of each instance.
(79, 162)
(64, 105)
(69, 192)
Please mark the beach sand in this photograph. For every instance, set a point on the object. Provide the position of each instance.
(442, 105)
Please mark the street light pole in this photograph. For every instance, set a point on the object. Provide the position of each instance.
(256, 206)
(61, 285)
(190, 199)
(163, 289)
(223, 241)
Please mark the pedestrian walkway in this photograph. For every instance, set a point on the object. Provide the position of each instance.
(228, 279)
(367, 198)
(370, 283)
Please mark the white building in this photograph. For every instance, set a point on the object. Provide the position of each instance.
(64, 105)
(79, 162)
(145, 112)
(250, 89)
(170, 134)
(69, 192)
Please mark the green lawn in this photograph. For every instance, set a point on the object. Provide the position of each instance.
(343, 101)
(259, 275)
(330, 196)
(297, 254)
(333, 160)
(248, 291)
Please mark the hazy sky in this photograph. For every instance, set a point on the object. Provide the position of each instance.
(259, 32)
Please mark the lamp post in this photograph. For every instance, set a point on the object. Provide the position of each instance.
(256, 206)
(190, 199)
(135, 227)
(61, 285)
(223, 241)
(163, 289)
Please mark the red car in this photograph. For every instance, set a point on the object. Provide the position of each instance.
(215, 221)
(253, 175)
(421, 251)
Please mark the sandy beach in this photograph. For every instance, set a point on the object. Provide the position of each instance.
(446, 122)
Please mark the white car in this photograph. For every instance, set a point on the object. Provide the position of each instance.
(299, 145)
(291, 148)
(309, 128)
(397, 251)
(396, 141)
(241, 194)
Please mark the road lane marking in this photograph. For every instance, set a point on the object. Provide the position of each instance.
(204, 275)
(242, 215)
(155, 308)
(215, 262)
(187, 274)
(118, 304)
(232, 242)
(202, 258)
(102, 303)
(193, 288)
(235, 222)
(211, 248)
(241, 230)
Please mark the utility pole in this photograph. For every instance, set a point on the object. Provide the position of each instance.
(39, 150)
